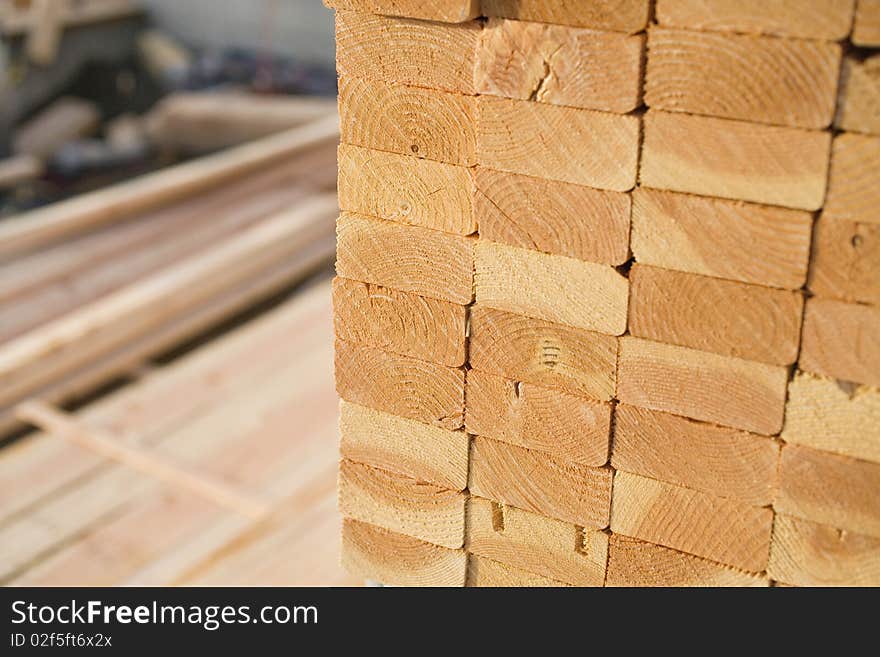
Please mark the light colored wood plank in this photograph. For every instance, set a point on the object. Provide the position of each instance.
(829, 489)
(18, 170)
(551, 355)
(552, 217)
(406, 189)
(858, 108)
(483, 572)
(791, 82)
(635, 563)
(724, 317)
(412, 259)
(697, 455)
(390, 558)
(805, 553)
(549, 287)
(846, 261)
(447, 11)
(834, 417)
(739, 241)
(408, 120)
(404, 323)
(866, 26)
(720, 529)
(854, 180)
(400, 385)
(540, 483)
(404, 51)
(566, 426)
(817, 19)
(546, 141)
(65, 120)
(560, 65)
(735, 160)
(536, 544)
(618, 15)
(841, 340)
(703, 386)
(410, 448)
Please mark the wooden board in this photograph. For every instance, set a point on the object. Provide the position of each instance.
(533, 543)
(841, 340)
(546, 141)
(410, 448)
(618, 15)
(403, 386)
(735, 160)
(829, 489)
(454, 11)
(805, 553)
(854, 180)
(817, 19)
(703, 386)
(412, 259)
(697, 455)
(405, 51)
(554, 288)
(390, 558)
(716, 528)
(540, 483)
(552, 217)
(572, 428)
(404, 323)
(739, 241)
(790, 82)
(710, 314)
(834, 417)
(560, 65)
(859, 104)
(866, 26)
(550, 355)
(846, 261)
(408, 120)
(483, 572)
(635, 563)
(406, 189)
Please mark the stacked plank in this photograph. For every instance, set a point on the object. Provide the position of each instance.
(585, 334)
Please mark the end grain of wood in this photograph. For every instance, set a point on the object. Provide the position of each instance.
(841, 340)
(846, 261)
(866, 27)
(627, 16)
(859, 104)
(854, 180)
(447, 11)
(483, 572)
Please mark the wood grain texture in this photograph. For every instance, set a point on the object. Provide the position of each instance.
(560, 65)
(566, 426)
(552, 217)
(739, 241)
(617, 15)
(735, 160)
(425, 453)
(829, 489)
(424, 123)
(554, 288)
(858, 108)
(791, 82)
(703, 386)
(404, 323)
(401, 504)
(483, 572)
(406, 189)
(447, 11)
(817, 19)
(400, 385)
(836, 417)
(866, 26)
(720, 529)
(805, 553)
(531, 542)
(635, 563)
(697, 455)
(724, 317)
(846, 261)
(550, 355)
(426, 262)
(547, 141)
(391, 558)
(841, 340)
(537, 482)
(854, 180)
(404, 51)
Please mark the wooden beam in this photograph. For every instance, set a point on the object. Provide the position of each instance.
(447, 11)
(846, 259)
(866, 26)
(854, 180)
(64, 120)
(735, 160)
(618, 15)
(858, 108)
(19, 169)
(483, 572)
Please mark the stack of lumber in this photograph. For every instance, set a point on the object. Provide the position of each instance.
(606, 307)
